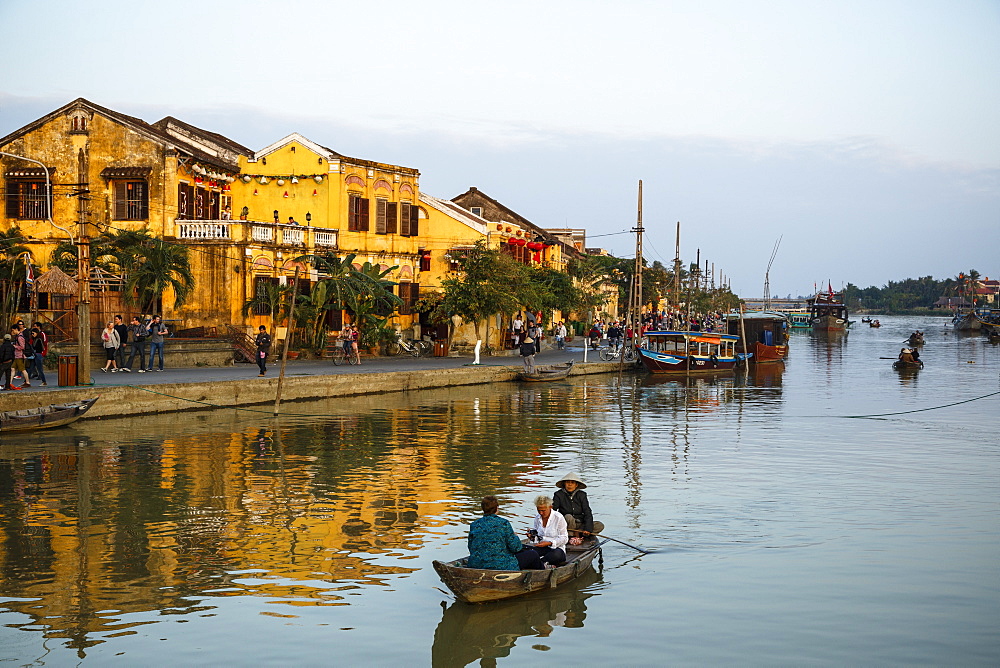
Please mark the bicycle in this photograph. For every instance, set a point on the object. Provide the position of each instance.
(626, 352)
(339, 356)
(413, 346)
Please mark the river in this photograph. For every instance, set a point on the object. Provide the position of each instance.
(782, 528)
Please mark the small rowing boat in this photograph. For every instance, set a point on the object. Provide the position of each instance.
(44, 417)
(914, 364)
(546, 373)
(481, 585)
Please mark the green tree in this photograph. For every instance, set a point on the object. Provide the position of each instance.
(158, 266)
(12, 274)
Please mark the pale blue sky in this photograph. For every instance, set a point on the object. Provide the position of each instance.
(866, 133)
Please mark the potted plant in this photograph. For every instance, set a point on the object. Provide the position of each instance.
(244, 213)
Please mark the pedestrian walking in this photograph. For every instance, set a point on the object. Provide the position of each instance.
(20, 342)
(122, 330)
(137, 332)
(263, 348)
(111, 342)
(39, 343)
(528, 354)
(560, 335)
(157, 330)
(6, 362)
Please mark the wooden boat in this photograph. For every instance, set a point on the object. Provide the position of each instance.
(481, 585)
(966, 322)
(916, 339)
(875, 324)
(827, 312)
(866, 319)
(547, 373)
(683, 353)
(799, 319)
(766, 334)
(914, 364)
(44, 417)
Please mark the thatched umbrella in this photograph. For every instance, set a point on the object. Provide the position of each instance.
(55, 281)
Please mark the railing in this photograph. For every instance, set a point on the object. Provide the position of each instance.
(262, 234)
(293, 236)
(203, 229)
(326, 238)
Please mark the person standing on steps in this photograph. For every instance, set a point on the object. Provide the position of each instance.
(122, 330)
(157, 330)
(263, 348)
(138, 334)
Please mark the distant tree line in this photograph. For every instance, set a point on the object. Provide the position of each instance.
(909, 294)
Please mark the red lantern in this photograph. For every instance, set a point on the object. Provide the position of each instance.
(521, 242)
(538, 257)
(512, 241)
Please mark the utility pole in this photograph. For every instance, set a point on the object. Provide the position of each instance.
(635, 305)
(677, 269)
(83, 274)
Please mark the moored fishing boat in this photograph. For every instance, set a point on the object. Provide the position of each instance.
(685, 353)
(827, 312)
(480, 585)
(547, 373)
(766, 334)
(799, 319)
(44, 417)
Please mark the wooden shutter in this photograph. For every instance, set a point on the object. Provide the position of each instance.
(414, 221)
(364, 217)
(140, 201)
(390, 218)
(121, 201)
(380, 207)
(404, 221)
(352, 214)
(13, 197)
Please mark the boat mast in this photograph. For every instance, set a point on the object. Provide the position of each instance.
(677, 269)
(767, 276)
(635, 304)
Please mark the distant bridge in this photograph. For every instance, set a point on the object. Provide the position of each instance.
(780, 305)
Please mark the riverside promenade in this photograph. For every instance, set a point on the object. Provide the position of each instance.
(204, 388)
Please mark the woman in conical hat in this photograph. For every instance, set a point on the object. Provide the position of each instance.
(574, 505)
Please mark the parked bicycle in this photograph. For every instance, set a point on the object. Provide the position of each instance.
(415, 347)
(626, 352)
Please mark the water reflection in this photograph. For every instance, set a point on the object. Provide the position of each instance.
(485, 633)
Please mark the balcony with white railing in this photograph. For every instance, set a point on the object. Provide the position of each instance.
(293, 236)
(203, 229)
(326, 238)
(262, 233)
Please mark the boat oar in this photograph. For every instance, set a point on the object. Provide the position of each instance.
(615, 540)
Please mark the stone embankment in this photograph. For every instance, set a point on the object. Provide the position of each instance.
(130, 400)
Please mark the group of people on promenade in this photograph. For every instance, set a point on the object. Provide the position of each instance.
(22, 356)
(494, 545)
(136, 334)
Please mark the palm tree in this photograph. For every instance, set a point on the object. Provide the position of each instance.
(12, 273)
(158, 266)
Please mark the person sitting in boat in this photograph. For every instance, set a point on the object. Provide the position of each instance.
(548, 535)
(572, 503)
(493, 543)
(906, 355)
(915, 354)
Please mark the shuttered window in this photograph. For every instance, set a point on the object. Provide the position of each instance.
(380, 207)
(390, 217)
(357, 214)
(185, 201)
(409, 293)
(26, 199)
(131, 200)
(408, 225)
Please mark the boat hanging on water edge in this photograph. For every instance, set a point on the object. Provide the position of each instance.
(685, 353)
(766, 334)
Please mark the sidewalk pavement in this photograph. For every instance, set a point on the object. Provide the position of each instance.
(307, 368)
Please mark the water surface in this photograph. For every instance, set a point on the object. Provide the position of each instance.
(783, 531)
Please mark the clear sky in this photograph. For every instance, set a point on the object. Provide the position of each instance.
(865, 133)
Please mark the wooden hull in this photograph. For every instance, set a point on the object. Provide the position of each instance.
(679, 364)
(899, 364)
(478, 585)
(763, 354)
(967, 323)
(915, 341)
(547, 373)
(45, 417)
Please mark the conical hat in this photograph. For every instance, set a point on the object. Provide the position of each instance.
(575, 477)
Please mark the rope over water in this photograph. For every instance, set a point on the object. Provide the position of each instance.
(846, 417)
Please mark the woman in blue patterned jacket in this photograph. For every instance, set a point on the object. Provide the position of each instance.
(493, 544)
